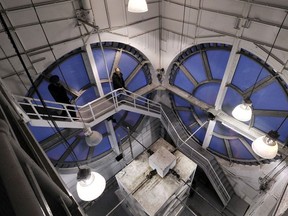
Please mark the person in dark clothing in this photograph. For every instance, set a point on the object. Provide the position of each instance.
(117, 79)
(118, 82)
(59, 94)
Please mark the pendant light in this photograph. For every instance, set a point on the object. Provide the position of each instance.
(243, 112)
(267, 146)
(92, 138)
(90, 185)
(137, 6)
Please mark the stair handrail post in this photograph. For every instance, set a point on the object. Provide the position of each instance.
(17, 105)
(91, 110)
(33, 107)
(134, 99)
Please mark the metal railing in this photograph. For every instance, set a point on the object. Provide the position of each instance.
(280, 201)
(111, 103)
(31, 108)
(196, 156)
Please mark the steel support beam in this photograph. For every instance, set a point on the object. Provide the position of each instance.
(228, 74)
(228, 149)
(94, 68)
(227, 78)
(209, 133)
(206, 65)
(188, 74)
(237, 126)
(134, 72)
(188, 97)
(228, 121)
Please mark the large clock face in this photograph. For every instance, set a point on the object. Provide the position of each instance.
(199, 70)
(75, 73)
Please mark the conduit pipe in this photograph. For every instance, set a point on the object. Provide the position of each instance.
(19, 191)
(87, 7)
(44, 181)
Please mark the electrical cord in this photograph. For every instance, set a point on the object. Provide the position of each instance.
(270, 51)
(173, 172)
(146, 149)
(66, 143)
(228, 172)
(33, 84)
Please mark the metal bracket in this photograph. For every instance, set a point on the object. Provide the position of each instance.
(82, 14)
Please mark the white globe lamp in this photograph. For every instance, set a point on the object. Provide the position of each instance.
(90, 185)
(266, 146)
(137, 6)
(243, 112)
(92, 138)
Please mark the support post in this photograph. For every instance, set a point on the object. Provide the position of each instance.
(19, 190)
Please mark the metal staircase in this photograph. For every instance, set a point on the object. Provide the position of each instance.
(100, 109)
(196, 153)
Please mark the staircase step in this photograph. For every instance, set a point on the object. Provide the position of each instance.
(226, 212)
(226, 184)
(214, 162)
(221, 176)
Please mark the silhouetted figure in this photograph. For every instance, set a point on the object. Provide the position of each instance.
(117, 79)
(59, 94)
(118, 82)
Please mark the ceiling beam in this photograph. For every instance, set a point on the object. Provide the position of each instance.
(266, 4)
(226, 33)
(206, 65)
(239, 15)
(36, 4)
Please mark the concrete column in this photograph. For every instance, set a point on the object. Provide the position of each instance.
(19, 191)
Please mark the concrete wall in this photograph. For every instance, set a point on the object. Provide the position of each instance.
(246, 182)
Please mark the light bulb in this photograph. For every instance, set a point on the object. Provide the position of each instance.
(92, 138)
(242, 112)
(137, 6)
(265, 147)
(91, 187)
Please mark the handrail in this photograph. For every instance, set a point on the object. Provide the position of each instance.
(217, 182)
(88, 112)
(280, 201)
(38, 111)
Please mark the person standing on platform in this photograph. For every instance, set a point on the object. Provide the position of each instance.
(117, 79)
(59, 94)
(118, 83)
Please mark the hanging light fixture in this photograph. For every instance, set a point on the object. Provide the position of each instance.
(243, 112)
(137, 6)
(90, 185)
(267, 146)
(92, 138)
